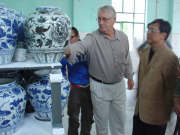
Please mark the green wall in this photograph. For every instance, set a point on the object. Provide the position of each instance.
(85, 14)
(176, 17)
(28, 6)
(171, 12)
(165, 10)
(150, 10)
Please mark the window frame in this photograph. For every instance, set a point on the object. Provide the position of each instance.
(120, 23)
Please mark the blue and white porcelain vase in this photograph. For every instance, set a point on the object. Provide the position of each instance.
(46, 31)
(40, 96)
(12, 106)
(11, 25)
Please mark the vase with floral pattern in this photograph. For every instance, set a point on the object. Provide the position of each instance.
(39, 92)
(11, 31)
(46, 31)
(12, 105)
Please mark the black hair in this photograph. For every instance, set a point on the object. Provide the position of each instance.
(75, 31)
(164, 26)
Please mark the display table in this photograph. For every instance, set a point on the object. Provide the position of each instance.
(55, 79)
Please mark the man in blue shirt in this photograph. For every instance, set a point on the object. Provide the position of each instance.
(80, 97)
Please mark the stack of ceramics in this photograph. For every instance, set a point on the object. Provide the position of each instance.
(46, 31)
(20, 54)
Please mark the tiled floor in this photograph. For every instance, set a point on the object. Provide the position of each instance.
(31, 126)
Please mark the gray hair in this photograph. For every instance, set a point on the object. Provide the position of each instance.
(108, 9)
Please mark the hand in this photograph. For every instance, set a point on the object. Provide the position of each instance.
(67, 52)
(177, 105)
(82, 57)
(130, 84)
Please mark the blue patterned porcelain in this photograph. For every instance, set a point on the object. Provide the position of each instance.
(46, 31)
(11, 31)
(12, 106)
(40, 96)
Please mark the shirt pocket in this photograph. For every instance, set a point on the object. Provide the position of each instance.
(122, 63)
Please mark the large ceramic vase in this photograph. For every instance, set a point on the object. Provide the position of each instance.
(46, 31)
(39, 92)
(12, 105)
(11, 25)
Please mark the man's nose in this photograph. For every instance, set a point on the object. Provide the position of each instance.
(101, 21)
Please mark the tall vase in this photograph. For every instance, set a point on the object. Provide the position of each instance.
(10, 27)
(40, 96)
(12, 105)
(46, 31)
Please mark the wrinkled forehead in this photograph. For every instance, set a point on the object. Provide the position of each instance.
(104, 13)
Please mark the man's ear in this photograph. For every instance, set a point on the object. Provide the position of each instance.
(114, 19)
(164, 35)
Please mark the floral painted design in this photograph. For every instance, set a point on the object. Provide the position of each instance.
(46, 31)
(12, 106)
(40, 96)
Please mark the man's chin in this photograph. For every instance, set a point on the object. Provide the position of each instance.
(102, 30)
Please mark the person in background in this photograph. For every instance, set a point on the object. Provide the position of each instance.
(108, 62)
(80, 97)
(156, 82)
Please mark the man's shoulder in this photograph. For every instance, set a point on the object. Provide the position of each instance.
(144, 52)
(146, 49)
(168, 56)
(63, 59)
(120, 34)
(92, 34)
(96, 32)
(168, 51)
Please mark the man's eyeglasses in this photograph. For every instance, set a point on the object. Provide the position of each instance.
(104, 19)
(151, 30)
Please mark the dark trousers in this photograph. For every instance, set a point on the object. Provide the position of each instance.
(177, 128)
(80, 99)
(141, 128)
